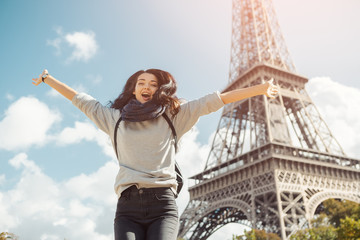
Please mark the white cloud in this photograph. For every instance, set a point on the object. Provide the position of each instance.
(7, 220)
(84, 44)
(33, 195)
(58, 210)
(97, 186)
(26, 122)
(338, 106)
(20, 161)
(81, 131)
(30, 189)
(88, 132)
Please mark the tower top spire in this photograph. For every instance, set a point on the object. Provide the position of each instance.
(256, 38)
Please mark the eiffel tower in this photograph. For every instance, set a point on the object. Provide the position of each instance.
(272, 161)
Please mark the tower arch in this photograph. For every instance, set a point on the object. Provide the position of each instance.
(320, 197)
(208, 220)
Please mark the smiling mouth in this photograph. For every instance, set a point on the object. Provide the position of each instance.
(146, 96)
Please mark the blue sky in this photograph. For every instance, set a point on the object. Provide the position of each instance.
(57, 170)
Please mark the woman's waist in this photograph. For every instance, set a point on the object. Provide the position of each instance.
(154, 192)
(145, 186)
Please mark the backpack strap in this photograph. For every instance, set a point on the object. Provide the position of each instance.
(179, 177)
(172, 129)
(115, 136)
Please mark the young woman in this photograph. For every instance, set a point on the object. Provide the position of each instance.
(146, 181)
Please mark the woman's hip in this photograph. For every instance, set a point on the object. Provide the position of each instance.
(147, 203)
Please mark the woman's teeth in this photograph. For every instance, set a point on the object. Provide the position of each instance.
(146, 96)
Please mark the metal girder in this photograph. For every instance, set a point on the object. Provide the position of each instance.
(291, 119)
(277, 189)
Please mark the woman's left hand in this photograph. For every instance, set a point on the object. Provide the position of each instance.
(271, 89)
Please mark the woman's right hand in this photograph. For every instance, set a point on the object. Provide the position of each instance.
(37, 81)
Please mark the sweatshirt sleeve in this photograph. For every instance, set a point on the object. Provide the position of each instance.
(191, 111)
(103, 117)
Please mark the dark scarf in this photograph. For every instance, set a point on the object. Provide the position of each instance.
(136, 111)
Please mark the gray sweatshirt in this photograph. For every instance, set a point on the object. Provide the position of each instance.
(146, 149)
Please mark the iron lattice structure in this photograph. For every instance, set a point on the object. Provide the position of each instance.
(256, 38)
(272, 162)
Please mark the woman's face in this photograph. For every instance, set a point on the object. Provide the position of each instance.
(145, 87)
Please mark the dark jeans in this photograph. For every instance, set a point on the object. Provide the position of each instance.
(147, 213)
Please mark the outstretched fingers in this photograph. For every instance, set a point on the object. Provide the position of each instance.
(37, 81)
(272, 90)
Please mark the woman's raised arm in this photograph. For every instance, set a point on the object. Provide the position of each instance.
(62, 88)
(268, 88)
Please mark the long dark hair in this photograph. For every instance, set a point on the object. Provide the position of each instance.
(165, 95)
